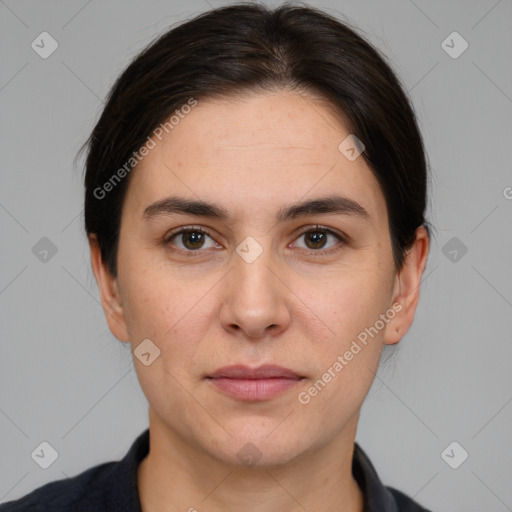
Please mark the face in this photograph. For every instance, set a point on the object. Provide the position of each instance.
(255, 281)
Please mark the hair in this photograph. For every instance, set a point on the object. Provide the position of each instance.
(246, 48)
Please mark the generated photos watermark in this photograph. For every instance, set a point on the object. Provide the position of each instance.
(304, 397)
(138, 156)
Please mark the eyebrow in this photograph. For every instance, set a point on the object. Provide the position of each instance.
(332, 204)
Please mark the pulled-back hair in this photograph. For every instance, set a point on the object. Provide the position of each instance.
(248, 47)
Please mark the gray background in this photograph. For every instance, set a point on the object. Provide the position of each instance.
(66, 380)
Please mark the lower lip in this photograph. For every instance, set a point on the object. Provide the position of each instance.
(254, 389)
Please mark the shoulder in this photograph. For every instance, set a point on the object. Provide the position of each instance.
(107, 487)
(403, 502)
(83, 492)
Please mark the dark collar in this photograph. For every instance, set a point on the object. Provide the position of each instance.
(124, 494)
(377, 498)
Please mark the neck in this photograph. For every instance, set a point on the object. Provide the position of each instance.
(176, 476)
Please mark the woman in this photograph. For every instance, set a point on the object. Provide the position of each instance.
(255, 193)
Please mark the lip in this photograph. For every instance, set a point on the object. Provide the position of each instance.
(254, 384)
(266, 371)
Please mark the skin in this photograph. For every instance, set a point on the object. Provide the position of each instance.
(253, 155)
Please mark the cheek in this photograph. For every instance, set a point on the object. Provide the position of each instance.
(173, 312)
(348, 304)
(348, 357)
(152, 296)
(148, 308)
(349, 352)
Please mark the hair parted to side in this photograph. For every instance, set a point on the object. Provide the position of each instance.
(247, 47)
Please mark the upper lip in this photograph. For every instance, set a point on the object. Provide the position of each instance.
(267, 371)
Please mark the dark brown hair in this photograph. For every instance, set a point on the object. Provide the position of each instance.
(249, 47)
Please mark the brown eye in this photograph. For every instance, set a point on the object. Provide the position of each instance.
(317, 239)
(191, 239)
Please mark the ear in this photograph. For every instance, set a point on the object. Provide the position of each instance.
(109, 292)
(406, 292)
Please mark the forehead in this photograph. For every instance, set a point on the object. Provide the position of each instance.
(251, 152)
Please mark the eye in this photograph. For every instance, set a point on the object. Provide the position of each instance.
(191, 239)
(316, 239)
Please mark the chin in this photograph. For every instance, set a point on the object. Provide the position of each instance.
(263, 449)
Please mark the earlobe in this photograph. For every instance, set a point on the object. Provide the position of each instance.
(407, 287)
(109, 292)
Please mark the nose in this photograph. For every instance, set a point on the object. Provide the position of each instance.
(255, 298)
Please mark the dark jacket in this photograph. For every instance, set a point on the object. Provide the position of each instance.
(112, 487)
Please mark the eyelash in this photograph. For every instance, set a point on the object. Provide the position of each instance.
(197, 229)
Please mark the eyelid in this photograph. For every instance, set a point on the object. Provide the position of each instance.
(319, 227)
(181, 229)
(185, 229)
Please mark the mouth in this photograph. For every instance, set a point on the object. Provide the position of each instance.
(254, 384)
